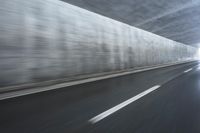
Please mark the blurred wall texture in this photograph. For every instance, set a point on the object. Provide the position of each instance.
(43, 40)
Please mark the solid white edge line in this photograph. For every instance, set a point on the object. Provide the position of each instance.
(188, 70)
(18, 93)
(121, 105)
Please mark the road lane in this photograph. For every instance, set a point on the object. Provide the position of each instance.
(121, 105)
(69, 109)
(173, 108)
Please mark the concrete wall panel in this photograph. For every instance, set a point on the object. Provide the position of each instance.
(49, 39)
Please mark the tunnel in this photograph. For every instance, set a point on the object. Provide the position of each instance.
(99, 66)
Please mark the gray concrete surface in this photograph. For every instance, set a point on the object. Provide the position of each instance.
(174, 19)
(50, 39)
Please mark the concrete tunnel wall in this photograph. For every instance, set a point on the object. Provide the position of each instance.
(43, 40)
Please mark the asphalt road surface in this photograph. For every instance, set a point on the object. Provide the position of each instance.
(165, 100)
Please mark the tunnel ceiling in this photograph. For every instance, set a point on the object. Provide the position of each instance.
(178, 20)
